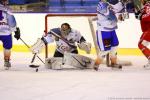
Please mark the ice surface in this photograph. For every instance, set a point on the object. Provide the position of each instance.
(23, 83)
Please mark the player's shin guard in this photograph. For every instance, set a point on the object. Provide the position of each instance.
(7, 54)
(99, 59)
(113, 58)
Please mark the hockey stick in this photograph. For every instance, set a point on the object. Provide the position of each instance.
(34, 54)
(33, 58)
(34, 66)
(93, 36)
(66, 41)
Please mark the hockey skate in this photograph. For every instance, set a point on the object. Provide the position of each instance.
(97, 63)
(116, 66)
(96, 67)
(7, 64)
(147, 66)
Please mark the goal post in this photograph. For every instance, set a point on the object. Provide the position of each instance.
(79, 22)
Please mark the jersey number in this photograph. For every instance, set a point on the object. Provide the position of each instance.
(1, 15)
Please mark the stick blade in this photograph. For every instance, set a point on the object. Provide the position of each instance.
(34, 66)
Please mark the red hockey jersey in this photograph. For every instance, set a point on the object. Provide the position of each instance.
(145, 21)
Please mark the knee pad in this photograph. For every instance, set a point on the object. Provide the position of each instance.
(7, 50)
(113, 52)
(7, 54)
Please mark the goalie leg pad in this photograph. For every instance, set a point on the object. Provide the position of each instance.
(78, 61)
(38, 46)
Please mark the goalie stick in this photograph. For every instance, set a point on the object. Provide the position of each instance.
(29, 47)
(32, 65)
(34, 56)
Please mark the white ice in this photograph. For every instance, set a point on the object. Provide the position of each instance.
(23, 83)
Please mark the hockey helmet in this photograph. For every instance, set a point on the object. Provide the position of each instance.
(102, 7)
(65, 28)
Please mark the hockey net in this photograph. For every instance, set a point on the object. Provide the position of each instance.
(79, 22)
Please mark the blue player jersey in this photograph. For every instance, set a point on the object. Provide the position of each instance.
(7, 21)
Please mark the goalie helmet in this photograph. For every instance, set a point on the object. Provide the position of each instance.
(65, 29)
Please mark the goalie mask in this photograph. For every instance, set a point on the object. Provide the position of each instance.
(65, 29)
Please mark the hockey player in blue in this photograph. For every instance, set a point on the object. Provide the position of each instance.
(7, 26)
(106, 36)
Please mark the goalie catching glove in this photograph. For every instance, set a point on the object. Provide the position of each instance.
(38, 46)
(85, 46)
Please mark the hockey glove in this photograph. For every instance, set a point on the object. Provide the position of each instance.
(17, 33)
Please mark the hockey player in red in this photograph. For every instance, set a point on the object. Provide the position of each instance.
(144, 16)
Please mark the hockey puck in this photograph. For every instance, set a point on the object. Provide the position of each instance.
(37, 70)
(34, 66)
